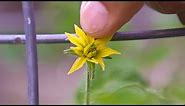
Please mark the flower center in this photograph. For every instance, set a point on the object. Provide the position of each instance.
(90, 51)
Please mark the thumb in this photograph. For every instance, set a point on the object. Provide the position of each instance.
(100, 19)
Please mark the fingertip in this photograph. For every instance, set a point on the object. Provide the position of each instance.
(93, 16)
(102, 19)
(83, 4)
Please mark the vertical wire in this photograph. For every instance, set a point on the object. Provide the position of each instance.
(31, 53)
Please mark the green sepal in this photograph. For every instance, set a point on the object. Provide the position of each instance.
(108, 57)
(69, 51)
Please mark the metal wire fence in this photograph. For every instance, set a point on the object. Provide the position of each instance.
(31, 39)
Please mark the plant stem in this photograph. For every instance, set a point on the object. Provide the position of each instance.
(88, 87)
(89, 77)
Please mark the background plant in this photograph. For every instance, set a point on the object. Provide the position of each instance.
(147, 72)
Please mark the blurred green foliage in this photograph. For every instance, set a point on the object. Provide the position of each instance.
(122, 81)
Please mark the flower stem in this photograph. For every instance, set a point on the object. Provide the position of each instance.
(89, 77)
(88, 88)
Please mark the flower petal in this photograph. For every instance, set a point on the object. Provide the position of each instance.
(77, 64)
(102, 41)
(81, 34)
(90, 39)
(106, 52)
(92, 60)
(77, 50)
(100, 61)
(73, 39)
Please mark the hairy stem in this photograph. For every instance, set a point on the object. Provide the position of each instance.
(89, 77)
(88, 87)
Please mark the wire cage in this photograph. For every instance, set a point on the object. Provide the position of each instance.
(31, 39)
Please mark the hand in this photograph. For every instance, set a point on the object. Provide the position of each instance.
(100, 19)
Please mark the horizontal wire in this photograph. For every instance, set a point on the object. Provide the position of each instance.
(119, 36)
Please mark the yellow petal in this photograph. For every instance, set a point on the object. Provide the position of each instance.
(77, 64)
(100, 61)
(92, 60)
(81, 34)
(102, 41)
(106, 52)
(86, 49)
(77, 50)
(73, 39)
(90, 39)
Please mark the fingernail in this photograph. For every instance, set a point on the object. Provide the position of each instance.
(181, 17)
(83, 4)
(93, 17)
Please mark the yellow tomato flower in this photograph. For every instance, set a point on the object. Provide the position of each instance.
(88, 49)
